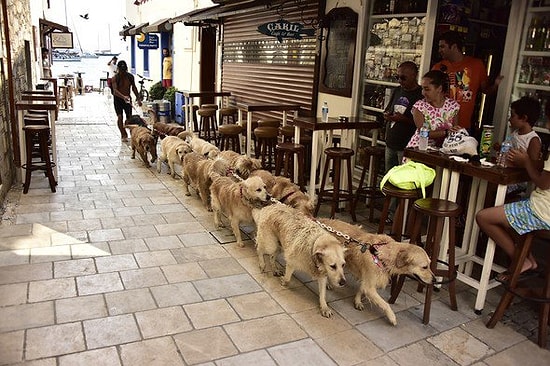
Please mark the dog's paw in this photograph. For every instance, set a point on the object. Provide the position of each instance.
(283, 282)
(359, 306)
(279, 273)
(326, 312)
(392, 319)
(240, 245)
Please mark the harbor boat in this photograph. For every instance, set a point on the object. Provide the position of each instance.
(67, 56)
(107, 53)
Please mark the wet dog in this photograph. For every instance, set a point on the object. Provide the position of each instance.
(199, 145)
(242, 165)
(162, 129)
(283, 190)
(143, 141)
(236, 200)
(383, 259)
(172, 151)
(305, 245)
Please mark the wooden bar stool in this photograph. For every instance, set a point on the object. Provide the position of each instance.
(229, 137)
(207, 128)
(371, 191)
(269, 122)
(514, 287)
(284, 161)
(437, 210)
(405, 198)
(228, 115)
(264, 148)
(41, 134)
(336, 194)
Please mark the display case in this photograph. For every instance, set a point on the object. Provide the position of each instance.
(532, 77)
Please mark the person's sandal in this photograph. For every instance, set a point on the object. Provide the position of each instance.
(504, 277)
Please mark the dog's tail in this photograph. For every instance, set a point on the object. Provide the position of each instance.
(186, 135)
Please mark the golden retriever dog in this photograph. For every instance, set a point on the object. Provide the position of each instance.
(242, 165)
(236, 201)
(196, 171)
(305, 245)
(283, 190)
(199, 145)
(143, 142)
(394, 258)
(163, 130)
(172, 151)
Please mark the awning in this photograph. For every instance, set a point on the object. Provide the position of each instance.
(213, 13)
(126, 31)
(47, 26)
(162, 25)
(185, 17)
(138, 29)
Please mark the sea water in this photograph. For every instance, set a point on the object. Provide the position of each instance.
(92, 69)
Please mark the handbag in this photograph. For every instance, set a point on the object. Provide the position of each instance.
(410, 175)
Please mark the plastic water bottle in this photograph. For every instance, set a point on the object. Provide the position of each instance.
(324, 112)
(504, 148)
(424, 137)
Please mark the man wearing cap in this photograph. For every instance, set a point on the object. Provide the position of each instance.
(122, 82)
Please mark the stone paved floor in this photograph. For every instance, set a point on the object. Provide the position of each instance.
(120, 268)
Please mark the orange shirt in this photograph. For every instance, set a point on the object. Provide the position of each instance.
(466, 78)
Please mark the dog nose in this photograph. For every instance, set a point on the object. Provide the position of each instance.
(342, 282)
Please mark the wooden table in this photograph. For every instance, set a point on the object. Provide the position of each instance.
(21, 107)
(319, 129)
(481, 177)
(188, 98)
(249, 108)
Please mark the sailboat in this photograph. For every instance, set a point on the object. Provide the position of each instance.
(106, 52)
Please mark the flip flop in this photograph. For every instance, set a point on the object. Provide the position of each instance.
(504, 277)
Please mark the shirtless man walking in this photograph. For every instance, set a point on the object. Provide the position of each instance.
(122, 82)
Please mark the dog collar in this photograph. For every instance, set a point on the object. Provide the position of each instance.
(285, 197)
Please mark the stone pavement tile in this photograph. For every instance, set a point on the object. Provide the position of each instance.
(317, 326)
(140, 232)
(115, 263)
(204, 345)
(183, 272)
(154, 352)
(74, 268)
(129, 301)
(15, 230)
(196, 254)
(13, 294)
(11, 347)
(409, 329)
(107, 204)
(163, 200)
(62, 238)
(184, 216)
(441, 316)
(84, 224)
(197, 239)
(155, 258)
(420, 353)
(305, 350)
(349, 347)
(116, 222)
(264, 332)
(296, 299)
(57, 288)
(90, 250)
(175, 294)
(128, 246)
(256, 305)
(460, 346)
(32, 218)
(216, 288)
(222, 267)
(254, 358)
(106, 234)
(50, 254)
(165, 321)
(498, 338)
(25, 273)
(98, 283)
(23, 242)
(248, 251)
(207, 314)
(14, 257)
(139, 278)
(165, 209)
(54, 340)
(127, 211)
(384, 360)
(163, 242)
(80, 308)
(181, 228)
(110, 331)
(148, 219)
(38, 207)
(104, 357)
(525, 353)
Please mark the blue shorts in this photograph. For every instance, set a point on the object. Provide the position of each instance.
(522, 219)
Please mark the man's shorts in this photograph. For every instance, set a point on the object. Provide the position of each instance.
(122, 106)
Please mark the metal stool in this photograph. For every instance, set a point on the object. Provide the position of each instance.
(229, 137)
(228, 115)
(207, 128)
(513, 288)
(284, 161)
(370, 191)
(335, 195)
(436, 210)
(264, 148)
(41, 134)
(405, 199)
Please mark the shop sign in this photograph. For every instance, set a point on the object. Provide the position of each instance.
(148, 41)
(284, 29)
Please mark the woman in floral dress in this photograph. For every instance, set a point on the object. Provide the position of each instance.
(439, 111)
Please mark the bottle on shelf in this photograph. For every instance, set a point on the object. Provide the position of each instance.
(424, 137)
(503, 154)
(324, 112)
(532, 34)
(541, 34)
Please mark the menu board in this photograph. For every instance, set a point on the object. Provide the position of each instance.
(337, 63)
